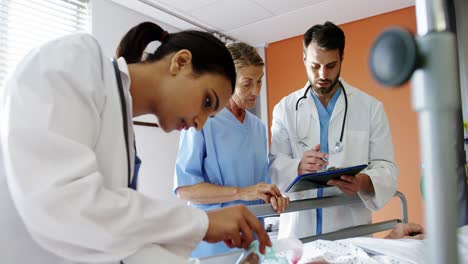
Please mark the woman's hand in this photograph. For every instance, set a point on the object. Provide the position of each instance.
(235, 225)
(263, 191)
(279, 203)
(268, 193)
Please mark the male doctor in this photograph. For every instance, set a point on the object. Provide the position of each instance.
(330, 123)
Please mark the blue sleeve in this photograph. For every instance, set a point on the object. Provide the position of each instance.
(189, 162)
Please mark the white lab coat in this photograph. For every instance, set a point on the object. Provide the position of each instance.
(366, 138)
(65, 163)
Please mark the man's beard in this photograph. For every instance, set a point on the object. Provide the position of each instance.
(327, 89)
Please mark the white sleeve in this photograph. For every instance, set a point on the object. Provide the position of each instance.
(50, 122)
(283, 167)
(382, 169)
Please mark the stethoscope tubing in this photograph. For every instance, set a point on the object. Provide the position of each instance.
(345, 113)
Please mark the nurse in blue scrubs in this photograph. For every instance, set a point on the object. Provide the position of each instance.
(226, 162)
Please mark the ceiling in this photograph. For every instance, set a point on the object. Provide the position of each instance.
(260, 22)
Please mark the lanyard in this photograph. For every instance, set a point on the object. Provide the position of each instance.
(124, 116)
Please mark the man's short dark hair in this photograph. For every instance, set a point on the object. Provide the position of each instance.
(327, 36)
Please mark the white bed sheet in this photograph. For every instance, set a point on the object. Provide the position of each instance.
(364, 250)
(372, 250)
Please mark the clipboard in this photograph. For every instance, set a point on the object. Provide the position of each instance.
(319, 179)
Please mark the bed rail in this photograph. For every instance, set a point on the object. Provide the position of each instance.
(355, 231)
(265, 210)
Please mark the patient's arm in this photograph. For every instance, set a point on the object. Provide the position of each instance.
(407, 230)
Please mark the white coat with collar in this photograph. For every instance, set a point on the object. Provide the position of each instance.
(63, 185)
(366, 138)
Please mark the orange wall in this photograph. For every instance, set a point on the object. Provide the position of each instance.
(286, 73)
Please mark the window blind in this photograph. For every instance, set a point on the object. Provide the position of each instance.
(25, 24)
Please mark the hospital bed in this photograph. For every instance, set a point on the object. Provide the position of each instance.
(265, 210)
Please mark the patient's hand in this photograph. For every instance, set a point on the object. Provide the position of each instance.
(409, 230)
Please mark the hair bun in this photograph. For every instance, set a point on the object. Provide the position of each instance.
(164, 35)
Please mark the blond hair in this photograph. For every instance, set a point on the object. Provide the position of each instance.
(244, 55)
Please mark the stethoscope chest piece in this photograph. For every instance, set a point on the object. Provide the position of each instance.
(338, 146)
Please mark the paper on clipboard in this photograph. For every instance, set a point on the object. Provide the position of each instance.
(319, 179)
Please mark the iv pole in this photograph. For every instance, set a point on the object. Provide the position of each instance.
(436, 98)
(431, 61)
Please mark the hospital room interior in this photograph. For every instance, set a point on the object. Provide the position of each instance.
(407, 56)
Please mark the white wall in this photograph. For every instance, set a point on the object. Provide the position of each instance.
(261, 108)
(262, 100)
(158, 150)
(110, 21)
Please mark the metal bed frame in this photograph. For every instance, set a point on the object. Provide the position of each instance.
(265, 210)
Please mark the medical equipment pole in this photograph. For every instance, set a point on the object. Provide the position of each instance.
(459, 10)
(431, 61)
(436, 97)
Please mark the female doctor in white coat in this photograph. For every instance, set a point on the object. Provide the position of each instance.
(68, 155)
(330, 120)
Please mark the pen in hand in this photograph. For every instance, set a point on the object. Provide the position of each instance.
(312, 159)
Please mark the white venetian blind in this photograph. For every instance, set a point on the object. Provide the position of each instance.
(25, 24)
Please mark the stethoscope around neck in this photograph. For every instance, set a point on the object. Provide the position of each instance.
(339, 143)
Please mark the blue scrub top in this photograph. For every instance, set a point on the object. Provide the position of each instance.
(225, 152)
(324, 117)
